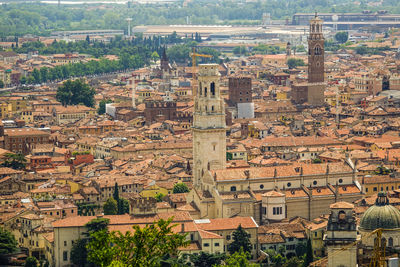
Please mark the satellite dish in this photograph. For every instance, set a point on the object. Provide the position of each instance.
(335, 17)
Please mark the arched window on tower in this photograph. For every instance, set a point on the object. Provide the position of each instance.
(317, 50)
(313, 28)
(200, 89)
(212, 89)
(205, 91)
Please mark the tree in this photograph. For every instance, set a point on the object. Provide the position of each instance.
(239, 259)
(147, 246)
(301, 249)
(96, 225)
(8, 244)
(116, 192)
(14, 161)
(123, 206)
(309, 254)
(102, 106)
(76, 92)
(36, 76)
(159, 197)
(275, 259)
(31, 262)
(295, 62)
(79, 253)
(361, 50)
(100, 253)
(240, 50)
(342, 37)
(110, 207)
(241, 239)
(180, 188)
(155, 56)
(205, 259)
(293, 262)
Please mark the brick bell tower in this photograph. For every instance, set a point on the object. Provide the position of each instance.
(316, 51)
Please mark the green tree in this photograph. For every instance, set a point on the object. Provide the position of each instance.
(8, 244)
(123, 206)
(180, 188)
(239, 259)
(159, 197)
(301, 249)
(102, 106)
(79, 253)
(240, 50)
(361, 50)
(342, 37)
(155, 56)
(22, 80)
(100, 253)
(76, 92)
(295, 62)
(293, 262)
(14, 161)
(317, 161)
(309, 254)
(116, 192)
(110, 207)
(241, 239)
(36, 76)
(147, 246)
(274, 258)
(205, 259)
(31, 262)
(96, 225)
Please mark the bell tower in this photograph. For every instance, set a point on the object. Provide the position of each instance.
(316, 51)
(209, 129)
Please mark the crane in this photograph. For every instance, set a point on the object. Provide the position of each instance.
(194, 55)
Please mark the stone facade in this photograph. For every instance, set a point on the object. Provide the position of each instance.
(341, 231)
(209, 128)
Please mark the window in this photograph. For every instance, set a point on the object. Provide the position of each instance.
(289, 184)
(340, 181)
(212, 89)
(233, 188)
(216, 245)
(65, 255)
(366, 190)
(264, 210)
(261, 186)
(65, 243)
(206, 245)
(228, 237)
(315, 183)
(375, 189)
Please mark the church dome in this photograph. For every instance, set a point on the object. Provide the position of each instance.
(381, 215)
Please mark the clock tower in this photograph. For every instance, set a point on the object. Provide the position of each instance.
(316, 51)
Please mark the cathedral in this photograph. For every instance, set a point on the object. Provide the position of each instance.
(267, 194)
